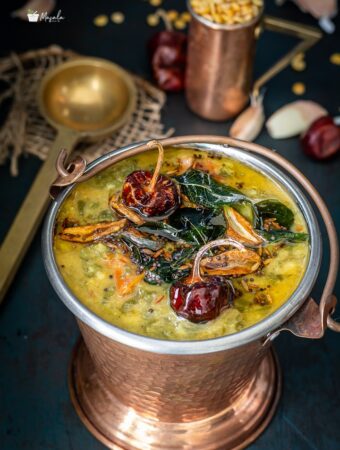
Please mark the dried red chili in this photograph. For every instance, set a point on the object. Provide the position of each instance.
(200, 300)
(322, 139)
(152, 195)
(168, 59)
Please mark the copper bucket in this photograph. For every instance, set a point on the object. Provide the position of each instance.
(135, 392)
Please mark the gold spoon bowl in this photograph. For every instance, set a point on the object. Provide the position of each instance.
(91, 96)
(85, 98)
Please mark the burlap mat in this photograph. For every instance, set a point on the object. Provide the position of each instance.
(24, 131)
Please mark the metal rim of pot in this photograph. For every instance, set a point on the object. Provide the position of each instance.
(263, 329)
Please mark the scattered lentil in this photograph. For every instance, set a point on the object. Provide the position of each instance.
(298, 62)
(101, 20)
(186, 16)
(172, 15)
(179, 24)
(298, 88)
(117, 17)
(335, 59)
(152, 20)
(228, 12)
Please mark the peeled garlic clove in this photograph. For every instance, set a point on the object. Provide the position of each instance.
(249, 124)
(323, 10)
(294, 119)
(40, 6)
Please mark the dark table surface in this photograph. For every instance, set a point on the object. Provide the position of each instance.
(37, 332)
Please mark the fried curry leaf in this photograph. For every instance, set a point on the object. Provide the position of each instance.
(275, 209)
(197, 225)
(141, 259)
(141, 242)
(203, 190)
(283, 235)
(191, 225)
(200, 235)
(184, 218)
(161, 229)
(169, 271)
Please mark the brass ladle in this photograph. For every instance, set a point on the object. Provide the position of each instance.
(86, 98)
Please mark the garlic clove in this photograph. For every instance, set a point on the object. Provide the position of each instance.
(249, 123)
(318, 8)
(294, 119)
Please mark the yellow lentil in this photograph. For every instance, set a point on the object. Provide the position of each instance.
(117, 17)
(101, 20)
(227, 11)
(335, 59)
(155, 2)
(298, 62)
(172, 15)
(298, 88)
(179, 24)
(185, 16)
(152, 20)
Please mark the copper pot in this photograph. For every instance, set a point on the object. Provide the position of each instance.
(136, 392)
(219, 68)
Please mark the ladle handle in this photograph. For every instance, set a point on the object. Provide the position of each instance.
(28, 218)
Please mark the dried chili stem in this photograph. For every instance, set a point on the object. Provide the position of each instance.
(196, 275)
(163, 15)
(157, 170)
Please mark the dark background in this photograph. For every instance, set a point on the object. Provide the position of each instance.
(37, 332)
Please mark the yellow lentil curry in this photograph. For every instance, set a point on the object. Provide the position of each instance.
(124, 267)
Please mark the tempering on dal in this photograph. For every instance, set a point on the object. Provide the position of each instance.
(133, 267)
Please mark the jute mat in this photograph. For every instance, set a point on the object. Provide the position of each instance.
(24, 131)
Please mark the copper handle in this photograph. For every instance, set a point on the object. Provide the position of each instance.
(307, 315)
(311, 321)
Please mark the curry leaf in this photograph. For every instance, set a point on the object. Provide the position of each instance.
(198, 225)
(203, 190)
(283, 235)
(191, 225)
(161, 229)
(275, 209)
(141, 242)
(169, 271)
